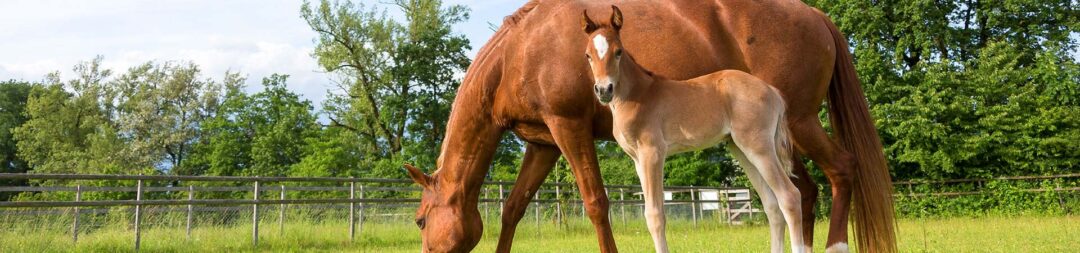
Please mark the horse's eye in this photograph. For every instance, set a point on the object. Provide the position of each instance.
(587, 57)
(618, 53)
(420, 223)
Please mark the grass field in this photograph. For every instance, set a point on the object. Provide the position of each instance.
(996, 234)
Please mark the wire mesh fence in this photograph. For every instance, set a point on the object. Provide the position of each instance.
(85, 204)
(78, 205)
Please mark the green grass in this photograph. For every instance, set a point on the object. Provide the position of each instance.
(992, 234)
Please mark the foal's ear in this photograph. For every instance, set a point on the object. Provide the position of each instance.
(418, 176)
(587, 24)
(616, 18)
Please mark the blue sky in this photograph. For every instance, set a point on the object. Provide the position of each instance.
(256, 38)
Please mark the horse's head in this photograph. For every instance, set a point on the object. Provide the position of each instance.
(604, 51)
(446, 225)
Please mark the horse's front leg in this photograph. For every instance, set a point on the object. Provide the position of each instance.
(537, 164)
(575, 138)
(649, 162)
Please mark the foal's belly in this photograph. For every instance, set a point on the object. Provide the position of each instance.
(685, 139)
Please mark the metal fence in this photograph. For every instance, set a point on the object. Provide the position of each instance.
(199, 201)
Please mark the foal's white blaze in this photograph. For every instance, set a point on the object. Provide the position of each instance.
(600, 43)
(837, 248)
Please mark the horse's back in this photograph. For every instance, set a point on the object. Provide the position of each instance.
(544, 71)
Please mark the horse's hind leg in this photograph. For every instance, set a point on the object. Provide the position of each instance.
(837, 164)
(537, 164)
(768, 200)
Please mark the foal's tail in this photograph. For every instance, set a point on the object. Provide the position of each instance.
(783, 139)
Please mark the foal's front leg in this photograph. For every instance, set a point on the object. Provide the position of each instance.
(649, 162)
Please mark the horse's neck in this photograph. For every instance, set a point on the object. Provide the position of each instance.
(472, 134)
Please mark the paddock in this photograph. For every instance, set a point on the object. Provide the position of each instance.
(198, 214)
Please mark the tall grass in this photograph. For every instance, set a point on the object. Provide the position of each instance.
(987, 234)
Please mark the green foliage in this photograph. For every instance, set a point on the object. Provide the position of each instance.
(990, 198)
(68, 132)
(13, 96)
(397, 78)
(968, 89)
(262, 134)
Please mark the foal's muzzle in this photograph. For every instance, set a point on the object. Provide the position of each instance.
(604, 92)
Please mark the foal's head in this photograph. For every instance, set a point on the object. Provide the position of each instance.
(604, 51)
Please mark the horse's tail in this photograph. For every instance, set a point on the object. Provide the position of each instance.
(850, 118)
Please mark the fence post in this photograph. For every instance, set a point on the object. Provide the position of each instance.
(138, 210)
(255, 217)
(360, 211)
(75, 222)
(536, 211)
(190, 209)
(558, 205)
(483, 201)
(693, 206)
(281, 213)
(582, 199)
(500, 199)
(352, 210)
(622, 205)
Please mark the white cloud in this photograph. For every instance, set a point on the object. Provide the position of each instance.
(256, 38)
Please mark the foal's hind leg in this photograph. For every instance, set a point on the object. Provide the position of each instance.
(768, 200)
(761, 151)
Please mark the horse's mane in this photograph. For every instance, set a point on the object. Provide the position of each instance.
(488, 60)
(514, 18)
(487, 64)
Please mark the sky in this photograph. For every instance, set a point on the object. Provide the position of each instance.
(255, 38)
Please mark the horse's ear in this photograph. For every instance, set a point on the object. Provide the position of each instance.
(616, 17)
(418, 176)
(587, 24)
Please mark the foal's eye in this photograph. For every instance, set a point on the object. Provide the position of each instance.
(420, 223)
(618, 53)
(587, 57)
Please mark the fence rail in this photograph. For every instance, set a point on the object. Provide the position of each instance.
(260, 193)
(167, 190)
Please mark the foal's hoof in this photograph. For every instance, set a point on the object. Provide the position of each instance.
(837, 248)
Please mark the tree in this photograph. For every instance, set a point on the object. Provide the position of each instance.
(261, 134)
(13, 96)
(397, 79)
(968, 89)
(159, 108)
(281, 122)
(70, 132)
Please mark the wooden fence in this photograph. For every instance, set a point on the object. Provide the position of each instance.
(494, 193)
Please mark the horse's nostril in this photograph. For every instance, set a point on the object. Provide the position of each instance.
(610, 87)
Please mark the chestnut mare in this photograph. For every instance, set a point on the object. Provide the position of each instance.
(654, 118)
(529, 78)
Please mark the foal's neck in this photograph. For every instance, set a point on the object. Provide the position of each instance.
(636, 81)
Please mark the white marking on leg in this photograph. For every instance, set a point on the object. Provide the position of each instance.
(837, 248)
(600, 42)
